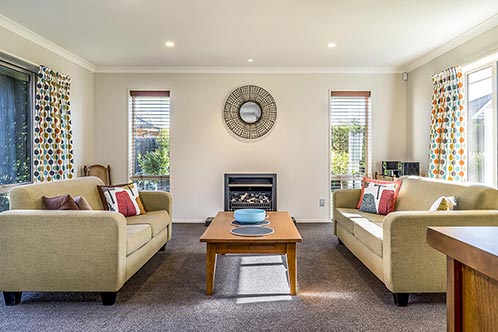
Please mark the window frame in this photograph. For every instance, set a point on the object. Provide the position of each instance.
(494, 101)
(356, 179)
(13, 63)
(129, 162)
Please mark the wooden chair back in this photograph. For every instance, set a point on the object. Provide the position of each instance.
(100, 171)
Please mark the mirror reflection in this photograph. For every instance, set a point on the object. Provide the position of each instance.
(250, 112)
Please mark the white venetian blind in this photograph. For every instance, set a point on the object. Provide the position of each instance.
(350, 132)
(149, 115)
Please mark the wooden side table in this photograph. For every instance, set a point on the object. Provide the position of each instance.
(472, 265)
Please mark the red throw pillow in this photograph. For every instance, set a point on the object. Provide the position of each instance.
(63, 202)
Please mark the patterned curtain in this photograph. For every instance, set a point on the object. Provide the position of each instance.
(53, 142)
(448, 146)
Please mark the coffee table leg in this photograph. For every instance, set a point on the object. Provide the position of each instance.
(210, 267)
(292, 267)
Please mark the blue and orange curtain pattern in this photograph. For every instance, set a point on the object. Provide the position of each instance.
(53, 142)
(448, 147)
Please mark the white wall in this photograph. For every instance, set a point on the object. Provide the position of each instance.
(419, 90)
(202, 150)
(82, 88)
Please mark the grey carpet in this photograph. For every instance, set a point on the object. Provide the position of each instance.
(336, 293)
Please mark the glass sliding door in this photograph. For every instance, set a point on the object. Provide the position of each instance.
(481, 127)
(16, 109)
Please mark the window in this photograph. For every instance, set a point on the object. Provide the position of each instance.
(16, 109)
(149, 139)
(481, 124)
(349, 138)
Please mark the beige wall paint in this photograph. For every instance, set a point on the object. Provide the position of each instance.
(419, 90)
(202, 150)
(82, 89)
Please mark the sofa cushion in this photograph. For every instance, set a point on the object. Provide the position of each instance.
(62, 202)
(122, 198)
(137, 237)
(82, 203)
(378, 196)
(444, 204)
(158, 220)
(343, 216)
(369, 234)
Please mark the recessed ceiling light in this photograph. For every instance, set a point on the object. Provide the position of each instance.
(250, 60)
(170, 44)
(331, 45)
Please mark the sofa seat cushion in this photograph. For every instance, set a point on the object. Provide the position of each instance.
(369, 234)
(158, 220)
(137, 237)
(344, 217)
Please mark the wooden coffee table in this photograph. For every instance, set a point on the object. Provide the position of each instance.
(283, 241)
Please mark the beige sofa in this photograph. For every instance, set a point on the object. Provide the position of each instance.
(76, 251)
(394, 247)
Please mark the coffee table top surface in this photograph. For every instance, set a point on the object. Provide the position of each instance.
(219, 230)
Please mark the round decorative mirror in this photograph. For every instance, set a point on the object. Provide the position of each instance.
(250, 112)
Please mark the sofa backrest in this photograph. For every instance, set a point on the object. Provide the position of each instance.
(418, 194)
(29, 197)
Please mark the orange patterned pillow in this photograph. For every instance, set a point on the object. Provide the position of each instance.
(123, 198)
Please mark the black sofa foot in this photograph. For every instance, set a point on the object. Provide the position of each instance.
(401, 299)
(108, 298)
(12, 298)
(163, 248)
(340, 242)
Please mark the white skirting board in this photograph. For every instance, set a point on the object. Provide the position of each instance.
(201, 221)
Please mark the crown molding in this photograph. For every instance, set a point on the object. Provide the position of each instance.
(245, 70)
(43, 42)
(468, 35)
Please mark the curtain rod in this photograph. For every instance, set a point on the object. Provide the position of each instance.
(434, 75)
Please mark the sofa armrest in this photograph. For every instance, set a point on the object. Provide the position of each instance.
(157, 200)
(62, 250)
(410, 264)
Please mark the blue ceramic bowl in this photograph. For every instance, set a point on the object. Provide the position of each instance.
(249, 216)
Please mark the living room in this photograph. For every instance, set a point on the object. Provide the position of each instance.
(195, 55)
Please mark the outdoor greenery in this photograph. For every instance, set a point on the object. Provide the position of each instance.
(340, 162)
(340, 148)
(156, 162)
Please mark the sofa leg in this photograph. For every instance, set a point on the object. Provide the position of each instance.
(401, 299)
(163, 248)
(12, 298)
(340, 242)
(108, 298)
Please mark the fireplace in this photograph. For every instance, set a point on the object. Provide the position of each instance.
(255, 191)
